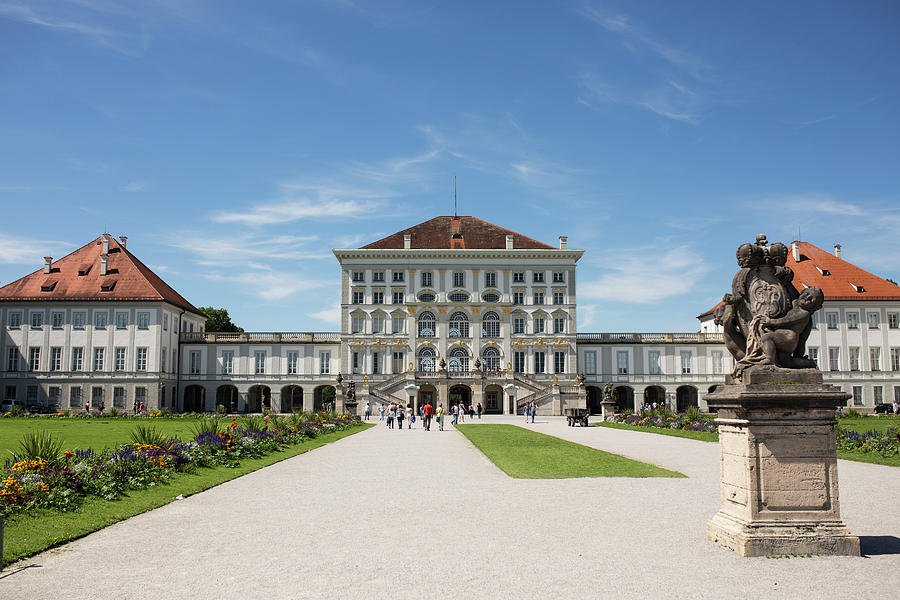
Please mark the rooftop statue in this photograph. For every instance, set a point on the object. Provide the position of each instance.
(764, 320)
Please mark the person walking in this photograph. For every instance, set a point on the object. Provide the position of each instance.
(525, 412)
(410, 416)
(390, 417)
(533, 410)
(427, 410)
(368, 410)
(381, 412)
(454, 410)
(479, 411)
(400, 414)
(462, 413)
(440, 416)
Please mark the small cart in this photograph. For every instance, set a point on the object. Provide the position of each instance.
(577, 416)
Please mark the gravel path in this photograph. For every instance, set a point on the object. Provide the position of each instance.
(415, 514)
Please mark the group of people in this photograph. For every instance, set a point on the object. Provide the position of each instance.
(396, 413)
(530, 410)
(652, 405)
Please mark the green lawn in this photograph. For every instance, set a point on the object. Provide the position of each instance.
(703, 436)
(27, 535)
(864, 424)
(527, 454)
(98, 434)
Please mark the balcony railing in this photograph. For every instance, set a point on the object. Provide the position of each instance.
(258, 337)
(650, 338)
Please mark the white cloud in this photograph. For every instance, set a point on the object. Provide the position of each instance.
(271, 286)
(324, 204)
(20, 250)
(135, 186)
(244, 247)
(330, 315)
(669, 100)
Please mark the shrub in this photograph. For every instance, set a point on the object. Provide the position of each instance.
(253, 422)
(39, 445)
(210, 425)
(693, 414)
(149, 435)
(852, 413)
(220, 410)
(17, 411)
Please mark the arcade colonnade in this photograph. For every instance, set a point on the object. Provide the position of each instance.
(629, 396)
(254, 397)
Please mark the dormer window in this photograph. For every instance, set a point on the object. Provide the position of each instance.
(84, 270)
(48, 286)
(108, 286)
(824, 272)
(857, 288)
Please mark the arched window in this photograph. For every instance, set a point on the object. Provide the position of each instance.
(490, 325)
(425, 325)
(491, 297)
(491, 359)
(426, 297)
(458, 297)
(459, 325)
(426, 359)
(459, 360)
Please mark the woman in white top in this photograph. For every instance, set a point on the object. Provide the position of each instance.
(409, 414)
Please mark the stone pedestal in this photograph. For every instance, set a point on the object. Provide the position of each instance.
(779, 467)
(607, 408)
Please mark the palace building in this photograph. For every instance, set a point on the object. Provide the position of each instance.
(452, 309)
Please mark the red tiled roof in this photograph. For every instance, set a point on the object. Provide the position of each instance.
(841, 283)
(127, 279)
(471, 233)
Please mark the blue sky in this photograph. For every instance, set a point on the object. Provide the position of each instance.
(237, 143)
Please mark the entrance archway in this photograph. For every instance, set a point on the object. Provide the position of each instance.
(258, 397)
(685, 396)
(194, 398)
(655, 393)
(227, 397)
(291, 398)
(624, 396)
(594, 398)
(493, 400)
(459, 393)
(427, 393)
(323, 398)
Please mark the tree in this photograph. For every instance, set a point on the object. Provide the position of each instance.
(892, 281)
(217, 319)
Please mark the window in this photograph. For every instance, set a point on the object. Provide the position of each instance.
(376, 363)
(539, 362)
(622, 363)
(538, 277)
(78, 320)
(653, 359)
(459, 279)
(490, 280)
(55, 359)
(359, 276)
(854, 358)
(878, 394)
(162, 362)
(814, 319)
(357, 297)
(895, 359)
(559, 362)
(377, 275)
(538, 297)
(717, 362)
(491, 359)
(872, 319)
(425, 326)
(143, 320)
(228, 362)
(292, 363)
(259, 363)
(119, 359)
(459, 325)
(34, 359)
(559, 298)
(686, 362)
(458, 297)
(491, 297)
(121, 320)
(377, 297)
(559, 277)
(31, 394)
(519, 277)
(37, 320)
(165, 321)
(831, 320)
(96, 396)
(377, 324)
(398, 362)
(893, 320)
(10, 392)
(427, 279)
(490, 325)
(590, 363)
(874, 359)
(814, 355)
(77, 359)
(195, 362)
(354, 362)
(518, 298)
(427, 360)
(100, 320)
(119, 397)
(357, 324)
(538, 325)
(174, 324)
(857, 395)
(518, 325)
(140, 359)
(98, 358)
(834, 363)
(519, 362)
(398, 297)
(559, 325)
(56, 320)
(398, 324)
(426, 297)
(397, 276)
(53, 395)
(15, 320)
(852, 320)
(75, 397)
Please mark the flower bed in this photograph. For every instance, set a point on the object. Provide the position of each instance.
(885, 443)
(665, 420)
(62, 480)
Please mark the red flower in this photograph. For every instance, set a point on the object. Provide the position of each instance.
(267, 419)
(234, 423)
(69, 453)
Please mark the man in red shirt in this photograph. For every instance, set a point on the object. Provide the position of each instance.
(429, 410)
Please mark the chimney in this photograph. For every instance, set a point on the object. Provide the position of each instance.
(795, 250)
(563, 242)
(407, 241)
(105, 244)
(509, 242)
(48, 261)
(123, 240)
(103, 259)
(837, 250)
